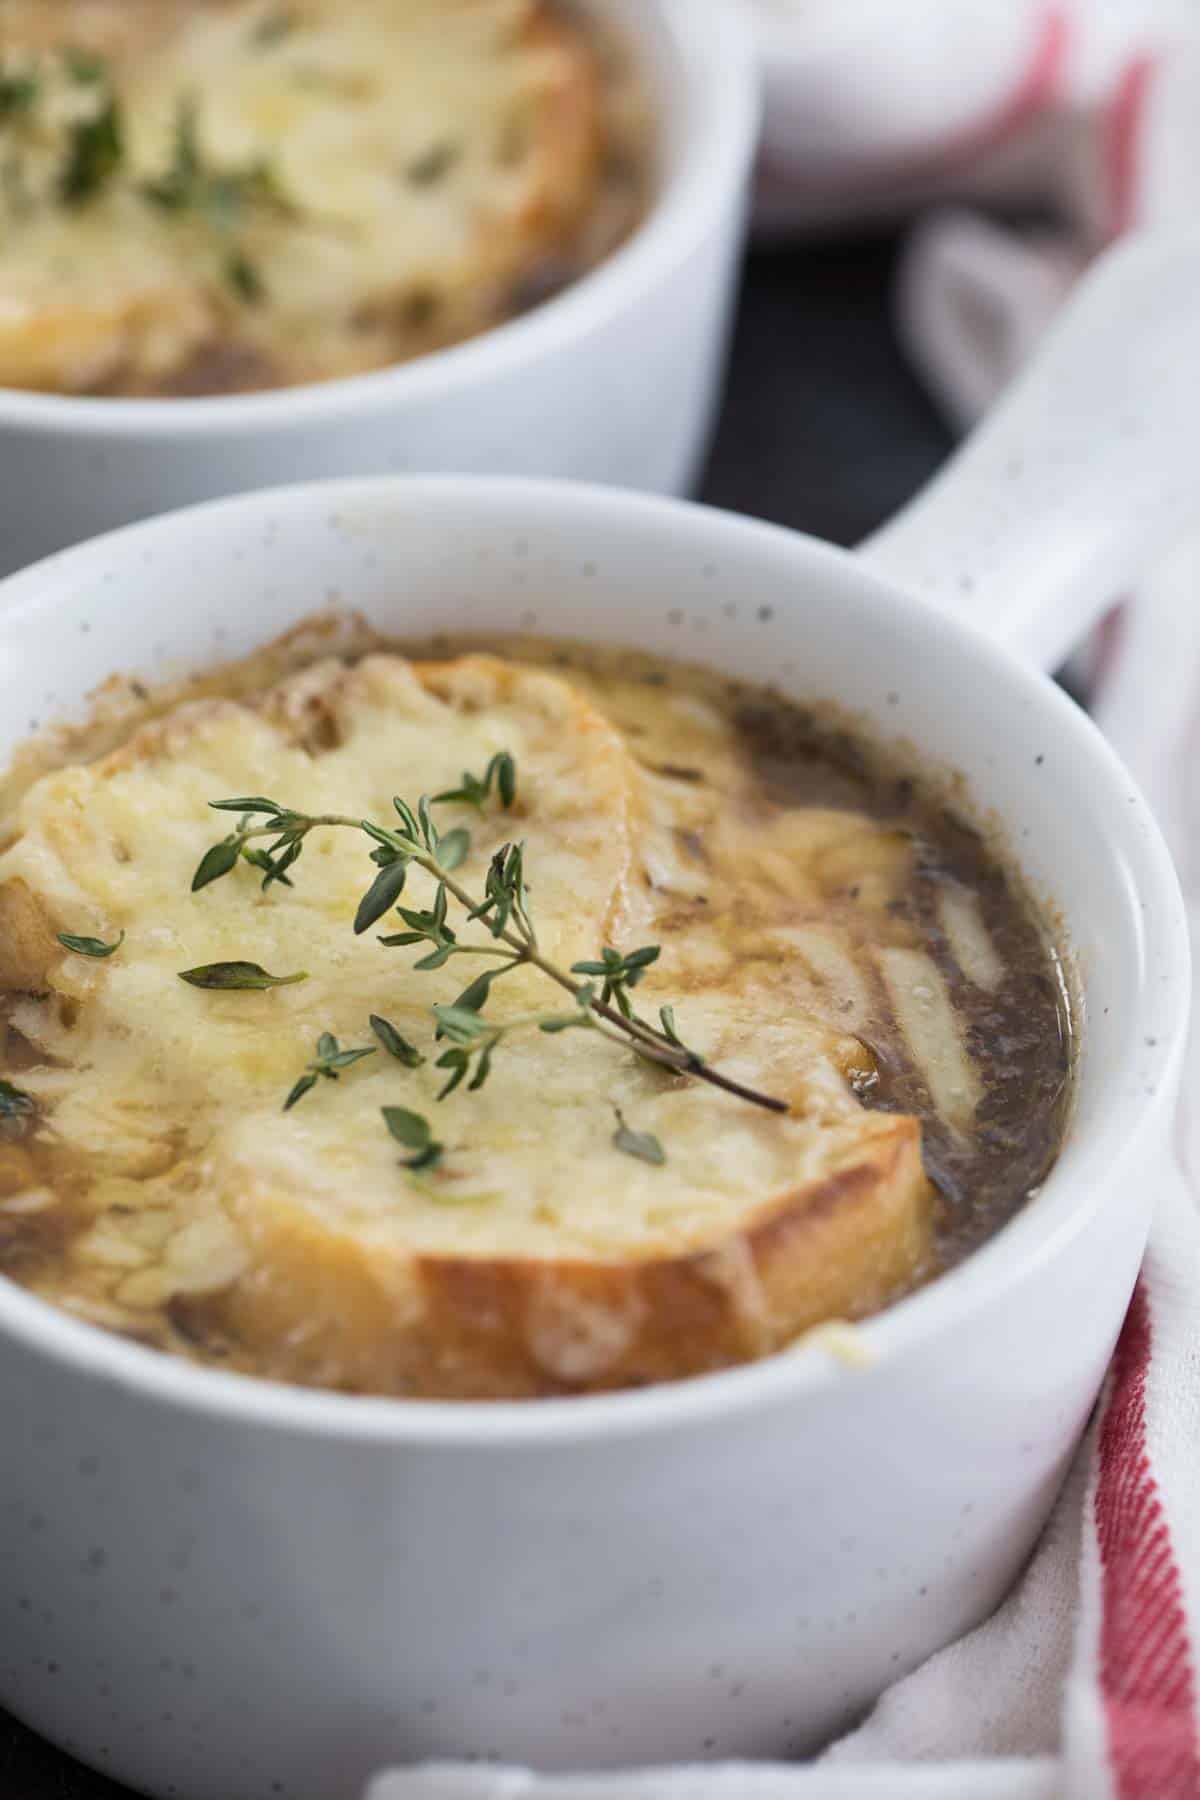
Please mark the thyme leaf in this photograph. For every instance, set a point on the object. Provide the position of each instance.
(244, 278)
(394, 1043)
(666, 1016)
(414, 1132)
(432, 164)
(95, 149)
(18, 94)
(381, 896)
(84, 67)
(274, 28)
(89, 946)
(14, 1102)
(304, 1086)
(454, 848)
(254, 804)
(642, 1144)
(224, 976)
(217, 862)
(474, 996)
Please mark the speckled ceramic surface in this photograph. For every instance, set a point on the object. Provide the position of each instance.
(220, 1588)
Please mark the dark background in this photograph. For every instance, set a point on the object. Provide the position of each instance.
(823, 428)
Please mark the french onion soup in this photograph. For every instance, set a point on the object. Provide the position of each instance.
(502, 1020)
(207, 196)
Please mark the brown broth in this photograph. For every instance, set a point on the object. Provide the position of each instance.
(1019, 1037)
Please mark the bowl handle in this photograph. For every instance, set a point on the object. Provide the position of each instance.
(1087, 467)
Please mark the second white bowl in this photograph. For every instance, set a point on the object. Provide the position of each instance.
(614, 380)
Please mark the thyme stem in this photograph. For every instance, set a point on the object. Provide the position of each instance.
(629, 1031)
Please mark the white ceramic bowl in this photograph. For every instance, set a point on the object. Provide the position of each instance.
(221, 1587)
(613, 380)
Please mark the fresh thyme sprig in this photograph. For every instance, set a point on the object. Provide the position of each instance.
(223, 198)
(223, 857)
(94, 146)
(621, 973)
(328, 1064)
(476, 790)
(505, 910)
(94, 155)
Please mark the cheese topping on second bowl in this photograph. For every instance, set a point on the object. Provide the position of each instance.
(236, 193)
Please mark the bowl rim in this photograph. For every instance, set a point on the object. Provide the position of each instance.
(707, 77)
(1072, 1194)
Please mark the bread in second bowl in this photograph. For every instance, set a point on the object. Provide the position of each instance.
(224, 195)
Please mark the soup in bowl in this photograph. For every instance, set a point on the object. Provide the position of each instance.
(393, 1410)
(504, 1021)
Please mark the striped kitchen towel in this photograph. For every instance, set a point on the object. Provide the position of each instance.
(874, 111)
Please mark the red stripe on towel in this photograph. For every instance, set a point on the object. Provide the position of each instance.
(1123, 123)
(1147, 1681)
(1104, 648)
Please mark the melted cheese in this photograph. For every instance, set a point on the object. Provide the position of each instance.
(161, 1106)
(111, 847)
(425, 157)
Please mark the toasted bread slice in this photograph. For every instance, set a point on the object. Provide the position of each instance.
(538, 1255)
(420, 165)
(319, 1305)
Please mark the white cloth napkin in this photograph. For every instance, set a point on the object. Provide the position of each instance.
(1083, 1685)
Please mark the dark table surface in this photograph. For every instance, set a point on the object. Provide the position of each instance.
(823, 428)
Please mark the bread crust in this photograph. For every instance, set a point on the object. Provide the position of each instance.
(29, 948)
(316, 1307)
